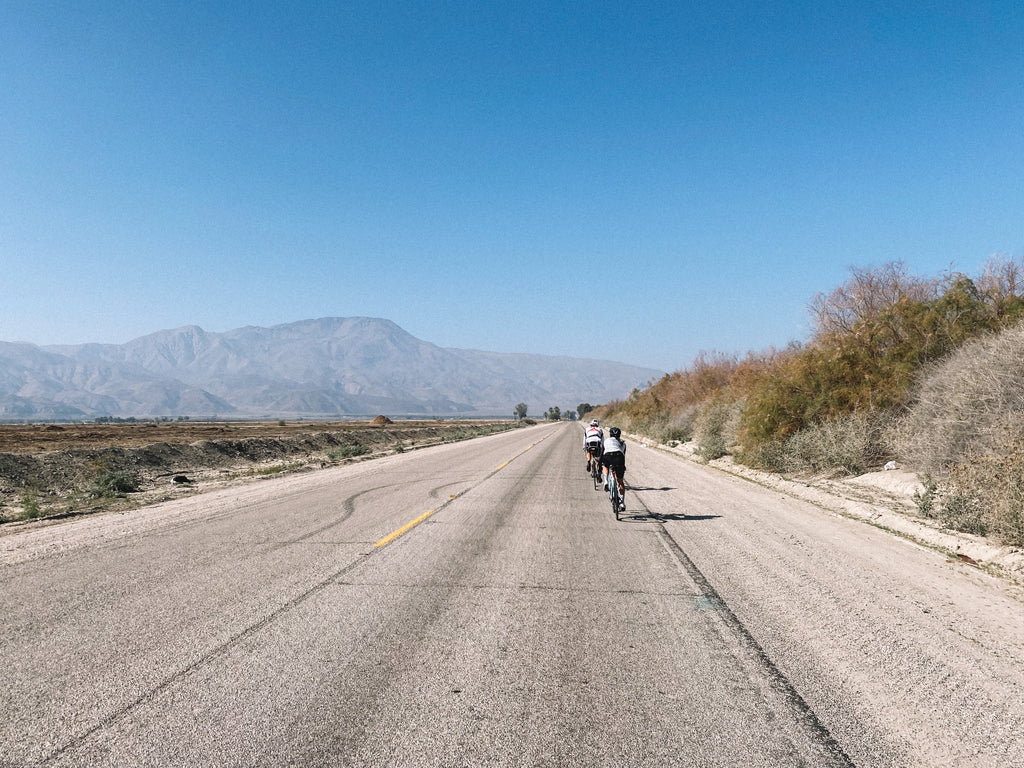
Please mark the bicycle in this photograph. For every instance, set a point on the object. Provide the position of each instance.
(595, 470)
(614, 492)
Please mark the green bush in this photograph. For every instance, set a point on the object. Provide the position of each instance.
(347, 452)
(964, 514)
(770, 456)
(715, 428)
(114, 484)
(869, 360)
(925, 498)
(30, 509)
(711, 447)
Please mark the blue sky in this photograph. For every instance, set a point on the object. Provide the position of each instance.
(629, 181)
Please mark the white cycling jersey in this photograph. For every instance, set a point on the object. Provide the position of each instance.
(612, 444)
(593, 435)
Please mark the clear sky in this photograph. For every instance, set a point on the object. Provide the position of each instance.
(634, 181)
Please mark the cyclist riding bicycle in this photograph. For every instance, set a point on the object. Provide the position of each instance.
(614, 457)
(593, 441)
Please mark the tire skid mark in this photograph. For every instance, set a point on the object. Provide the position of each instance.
(218, 651)
(709, 600)
(394, 535)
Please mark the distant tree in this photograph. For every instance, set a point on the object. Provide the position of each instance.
(570, 415)
(521, 411)
(583, 409)
(554, 413)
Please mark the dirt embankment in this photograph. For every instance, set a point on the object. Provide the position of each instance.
(63, 469)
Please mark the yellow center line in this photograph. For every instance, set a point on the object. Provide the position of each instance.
(412, 524)
(392, 536)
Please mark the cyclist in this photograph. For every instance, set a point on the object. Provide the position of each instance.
(593, 440)
(614, 457)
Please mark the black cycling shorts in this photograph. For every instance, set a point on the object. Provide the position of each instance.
(615, 460)
(594, 448)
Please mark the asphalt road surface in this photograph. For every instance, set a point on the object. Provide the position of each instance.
(477, 604)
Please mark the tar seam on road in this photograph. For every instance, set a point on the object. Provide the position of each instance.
(224, 647)
(201, 662)
(709, 599)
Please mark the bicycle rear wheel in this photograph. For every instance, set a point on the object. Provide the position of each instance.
(613, 493)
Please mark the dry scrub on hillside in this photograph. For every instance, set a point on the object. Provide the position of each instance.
(880, 378)
(962, 403)
(965, 431)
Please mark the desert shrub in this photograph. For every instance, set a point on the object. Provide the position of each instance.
(715, 428)
(961, 402)
(925, 498)
(711, 447)
(347, 452)
(873, 336)
(985, 491)
(962, 513)
(30, 508)
(851, 443)
(667, 407)
(867, 359)
(770, 456)
(666, 428)
(114, 483)
(274, 469)
(865, 296)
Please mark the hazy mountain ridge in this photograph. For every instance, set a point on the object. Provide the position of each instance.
(323, 367)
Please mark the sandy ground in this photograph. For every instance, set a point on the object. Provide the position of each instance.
(884, 499)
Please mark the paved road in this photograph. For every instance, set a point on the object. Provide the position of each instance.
(517, 623)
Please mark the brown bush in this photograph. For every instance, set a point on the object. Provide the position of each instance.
(985, 492)
(961, 405)
(866, 296)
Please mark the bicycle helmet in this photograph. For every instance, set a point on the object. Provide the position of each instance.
(594, 423)
(615, 432)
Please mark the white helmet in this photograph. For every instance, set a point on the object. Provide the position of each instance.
(594, 423)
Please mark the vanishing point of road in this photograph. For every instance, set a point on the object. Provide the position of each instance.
(477, 604)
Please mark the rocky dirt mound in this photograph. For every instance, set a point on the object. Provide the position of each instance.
(381, 421)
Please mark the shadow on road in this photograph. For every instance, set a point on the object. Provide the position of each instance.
(642, 517)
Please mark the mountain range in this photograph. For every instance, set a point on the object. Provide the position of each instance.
(330, 367)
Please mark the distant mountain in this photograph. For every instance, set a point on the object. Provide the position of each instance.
(38, 384)
(314, 368)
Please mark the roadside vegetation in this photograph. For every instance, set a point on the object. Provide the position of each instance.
(928, 372)
(67, 478)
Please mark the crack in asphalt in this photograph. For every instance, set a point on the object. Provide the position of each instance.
(218, 651)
